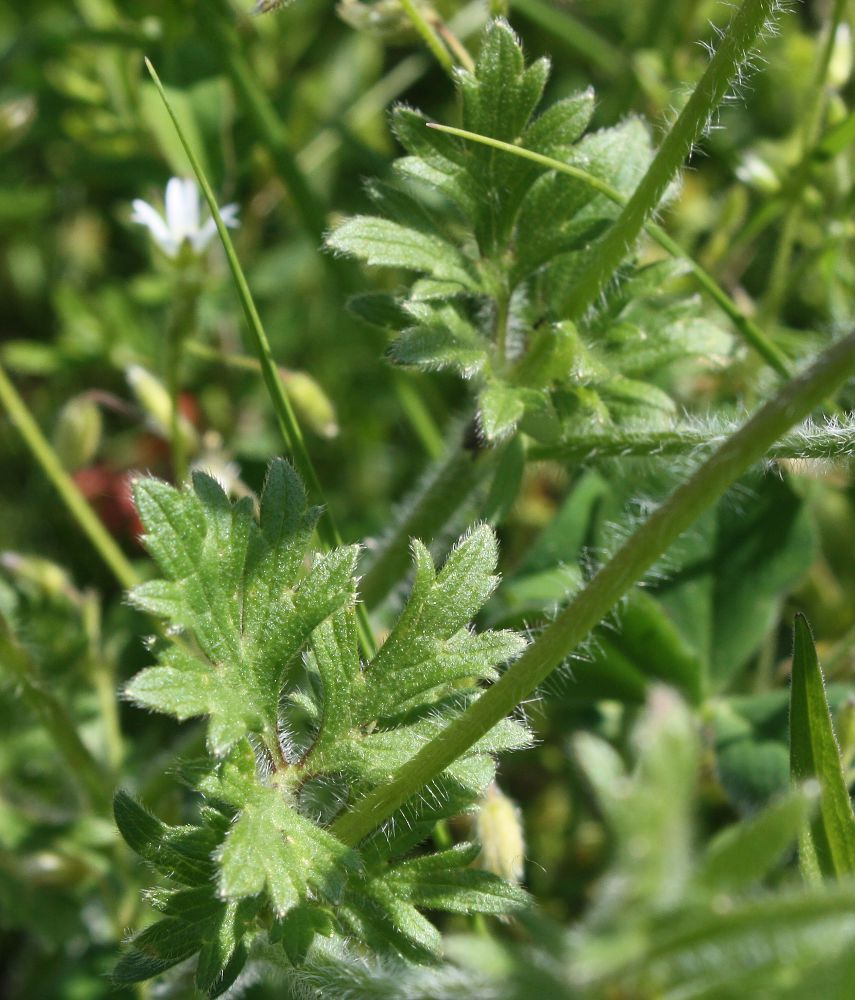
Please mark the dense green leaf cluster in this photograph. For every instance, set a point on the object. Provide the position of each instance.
(497, 241)
(668, 919)
(265, 645)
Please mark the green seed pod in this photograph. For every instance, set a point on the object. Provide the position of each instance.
(314, 408)
(77, 434)
(500, 832)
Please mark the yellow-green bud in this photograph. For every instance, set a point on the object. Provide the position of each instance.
(77, 434)
(840, 64)
(384, 19)
(154, 401)
(500, 832)
(754, 171)
(846, 732)
(16, 116)
(45, 576)
(312, 405)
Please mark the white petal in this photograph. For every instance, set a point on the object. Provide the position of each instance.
(182, 208)
(229, 215)
(145, 215)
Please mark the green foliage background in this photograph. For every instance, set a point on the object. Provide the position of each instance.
(657, 795)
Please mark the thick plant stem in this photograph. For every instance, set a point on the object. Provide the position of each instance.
(287, 420)
(82, 766)
(71, 496)
(751, 333)
(823, 441)
(676, 515)
(607, 255)
(441, 493)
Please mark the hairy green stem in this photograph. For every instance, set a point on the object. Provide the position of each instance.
(677, 514)
(440, 494)
(751, 333)
(428, 35)
(82, 766)
(829, 441)
(287, 420)
(607, 255)
(70, 495)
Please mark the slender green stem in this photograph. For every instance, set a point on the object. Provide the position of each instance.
(71, 496)
(607, 255)
(428, 35)
(218, 25)
(374, 101)
(575, 34)
(180, 328)
(677, 514)
(828, 441)
(103, 680)
(445, 487)
(455, 45)
(82, 766)
(811, 122)
(288, 425)
(503, 303)
(419, 416)
(749, 330)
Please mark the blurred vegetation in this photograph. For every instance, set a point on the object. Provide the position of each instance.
(633, 793)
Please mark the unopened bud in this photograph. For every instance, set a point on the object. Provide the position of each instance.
(77, 433)
(311, 403)
(840, 64)
(384, 19)
(153, 399)
(846, 732)
(16, 116)
(500, 832)
(754, 171)
(42, 574)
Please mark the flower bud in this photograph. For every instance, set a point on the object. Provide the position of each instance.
(77, 433)
(500, 832)
(756, 173)
(840, 64)
(311, 403)
(42, 575)
(846, 732)
(153, 399)
(16, 116)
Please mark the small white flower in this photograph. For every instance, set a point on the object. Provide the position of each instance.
(182, 222)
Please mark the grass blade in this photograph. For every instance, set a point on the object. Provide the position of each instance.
(827, 849)
(290, 428)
